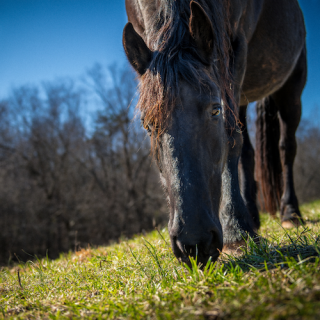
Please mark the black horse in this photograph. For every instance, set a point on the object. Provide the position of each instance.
(200, 63)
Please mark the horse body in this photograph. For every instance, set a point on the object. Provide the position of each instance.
(192, 55)
(273, 49)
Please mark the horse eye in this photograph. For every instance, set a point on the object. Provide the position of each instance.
(148, 128)
(216, 111)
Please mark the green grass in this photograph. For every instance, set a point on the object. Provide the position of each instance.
(140, 278)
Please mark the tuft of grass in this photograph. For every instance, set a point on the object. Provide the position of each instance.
(140, 278)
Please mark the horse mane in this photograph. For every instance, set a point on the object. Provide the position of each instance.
(176, 58)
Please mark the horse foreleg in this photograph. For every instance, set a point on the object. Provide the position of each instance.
(247, 164)
(234, 217)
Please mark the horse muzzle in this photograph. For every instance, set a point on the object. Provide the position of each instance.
(201, 245)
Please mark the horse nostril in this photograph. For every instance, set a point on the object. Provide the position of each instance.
(213, 242)
(201, 248)
(180, 245)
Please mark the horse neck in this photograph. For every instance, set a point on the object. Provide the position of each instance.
(148, 10)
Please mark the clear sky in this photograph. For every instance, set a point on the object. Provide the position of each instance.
(48, 39)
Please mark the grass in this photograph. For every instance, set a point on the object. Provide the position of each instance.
(140, 278)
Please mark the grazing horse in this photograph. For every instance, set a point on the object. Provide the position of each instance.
(199, 65)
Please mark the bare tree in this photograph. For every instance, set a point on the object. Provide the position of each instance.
(307, 162)
(123, 151)
(61, 186)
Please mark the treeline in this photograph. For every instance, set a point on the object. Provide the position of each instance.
(307, 163)
(75, 169)
(70, 177)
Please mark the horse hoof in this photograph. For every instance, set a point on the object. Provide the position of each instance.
(290, 224)
(234, 248)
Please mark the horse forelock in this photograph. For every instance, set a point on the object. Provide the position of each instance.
(175, 59)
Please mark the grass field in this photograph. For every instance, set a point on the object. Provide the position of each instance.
(140, 278)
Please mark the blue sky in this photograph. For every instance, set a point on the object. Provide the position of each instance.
(48, 39)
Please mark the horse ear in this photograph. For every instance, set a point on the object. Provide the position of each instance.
(201, 30)
(138, 54)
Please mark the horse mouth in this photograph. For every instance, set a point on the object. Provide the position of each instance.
(200, 260)
(197, 253)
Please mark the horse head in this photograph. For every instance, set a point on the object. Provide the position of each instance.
(182, 108)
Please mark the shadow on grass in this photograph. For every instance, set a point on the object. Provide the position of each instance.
(313, 221)
(267, 255)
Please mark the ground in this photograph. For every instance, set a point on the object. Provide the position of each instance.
(140, 278)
